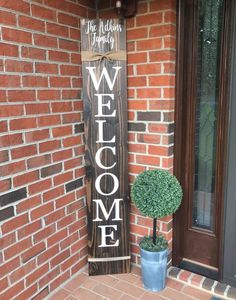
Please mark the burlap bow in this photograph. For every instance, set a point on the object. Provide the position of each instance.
(93, 56)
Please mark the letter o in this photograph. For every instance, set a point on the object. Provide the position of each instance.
(98, 180)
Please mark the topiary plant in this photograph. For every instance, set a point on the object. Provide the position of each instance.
(157, 194)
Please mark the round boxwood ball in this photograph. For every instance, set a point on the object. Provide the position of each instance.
(156, 193)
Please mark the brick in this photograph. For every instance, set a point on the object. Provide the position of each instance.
(72, 141)
(7, 18)
(55, 238)
(15, 223)
(17, 248)
(57, 30)
(162, 81)
(68, 20)
(8, 267)
(62, 155)
(170, 17)
(9, 81)
(29, 292)
(68, 45)
(162, 5)
(59, 258)
(61, 107)
(5, 185)
(62, 178)
(149, 116)
(65, 200)
(7, 213)
(162, 30)
(37, 274)
(144, 69)
(161, 128)
(136, 127)
(55, 216)
(150, 44)
(3, 284)
(37, 135)
(135, 58)
(149, 19)
(157, 56)
(29, 229)
(49, 95)
(47, 254)
(149, 93)
(51, 170)
(149, 138)
(70, 186)
(3, 127)
(28, 204)
(71, 118)
(12, 168)
(40, 186)
(21, 95)
(46, 68)
(70, 70)
(18, 5)
(37, 109)
(4, 156)
(42, 294)
(31, 23)
(18, 36)
(49, 146)
(79, 128)
(60, 82)
(18, 66)
(49, 120)
(23, 151)
(62, 131)
(72, 163)
(39, 161)
(8, 50)
(44, 233)
(137, 33)
(33, 251)
(58, 56)
(13, 197)
(13, 290)
(45, 41)
(41, 211)
(24, 123)
(43, 13)
(158, 150)
(33, 53)
(35, 81)
(49, 277)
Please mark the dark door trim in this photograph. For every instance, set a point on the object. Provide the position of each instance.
(223, 119)
(229, 246)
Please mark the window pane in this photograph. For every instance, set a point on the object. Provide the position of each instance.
(209, 37)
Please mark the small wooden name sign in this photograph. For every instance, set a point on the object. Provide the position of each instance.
(103, 54)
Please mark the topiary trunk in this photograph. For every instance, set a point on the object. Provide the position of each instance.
(154, 230)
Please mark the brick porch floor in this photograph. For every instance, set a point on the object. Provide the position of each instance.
(123, 287)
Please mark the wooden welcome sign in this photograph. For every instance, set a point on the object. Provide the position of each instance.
(103, 53)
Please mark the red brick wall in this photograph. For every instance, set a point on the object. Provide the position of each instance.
(42, 194)
(151, 40)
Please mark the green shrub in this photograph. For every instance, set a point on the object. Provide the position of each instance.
(157, 194)
(148, 245)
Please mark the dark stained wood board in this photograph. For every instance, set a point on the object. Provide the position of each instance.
(106, 259)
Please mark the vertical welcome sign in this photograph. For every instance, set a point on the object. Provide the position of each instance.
(103, 54)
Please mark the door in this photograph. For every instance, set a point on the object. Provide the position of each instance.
(201, 127)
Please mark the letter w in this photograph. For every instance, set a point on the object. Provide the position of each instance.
(100, 204)
(105, 74)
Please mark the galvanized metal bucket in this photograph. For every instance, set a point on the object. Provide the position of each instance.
(154, 268)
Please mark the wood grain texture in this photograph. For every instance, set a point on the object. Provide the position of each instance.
(113, 126)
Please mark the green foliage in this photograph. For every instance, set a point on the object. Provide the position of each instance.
(148, 245)
(156, 193)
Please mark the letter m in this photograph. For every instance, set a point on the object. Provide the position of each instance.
(99, 204)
